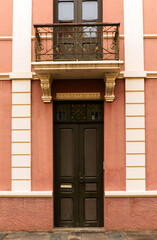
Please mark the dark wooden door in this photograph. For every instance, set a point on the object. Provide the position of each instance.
(78, 175)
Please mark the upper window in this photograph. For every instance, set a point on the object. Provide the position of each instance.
(77, 11)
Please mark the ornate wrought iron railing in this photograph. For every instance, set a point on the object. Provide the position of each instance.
(61, 42)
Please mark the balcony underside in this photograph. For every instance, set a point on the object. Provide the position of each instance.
(49, 71)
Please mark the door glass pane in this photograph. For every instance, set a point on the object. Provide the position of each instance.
(90, 10)
(66, 11)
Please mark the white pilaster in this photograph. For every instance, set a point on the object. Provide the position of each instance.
(21, 95)
(134, 95)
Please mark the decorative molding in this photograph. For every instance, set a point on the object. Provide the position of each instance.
(110, 86)
(78, 96)
(46, 82)
(117, 194)
(26, 194)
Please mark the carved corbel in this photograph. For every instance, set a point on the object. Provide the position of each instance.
(110, 82)
(45, 83)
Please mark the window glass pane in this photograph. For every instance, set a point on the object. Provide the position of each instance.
(66, 11)
(89, 10)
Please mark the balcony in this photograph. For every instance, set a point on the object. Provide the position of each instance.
(64, 42)
(77, 51)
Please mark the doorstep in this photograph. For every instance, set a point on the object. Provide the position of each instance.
(82, 230)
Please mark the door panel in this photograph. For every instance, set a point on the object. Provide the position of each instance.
(78, 171)
(65, 172)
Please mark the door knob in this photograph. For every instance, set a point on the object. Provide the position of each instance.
(81, 179)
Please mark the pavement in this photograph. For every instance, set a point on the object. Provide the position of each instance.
(129, 235)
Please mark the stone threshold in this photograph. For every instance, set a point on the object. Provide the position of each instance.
(81, 230)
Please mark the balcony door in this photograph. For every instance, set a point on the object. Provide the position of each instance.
(78, 41)
(77, 11)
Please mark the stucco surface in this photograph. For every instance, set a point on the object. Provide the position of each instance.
(5, 135)
(42, 141)
(130, 213)
(23, 214)
(114, 141)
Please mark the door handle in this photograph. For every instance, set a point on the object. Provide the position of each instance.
(81, 179)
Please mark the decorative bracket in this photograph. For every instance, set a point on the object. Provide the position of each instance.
(45, 84)
(110, 82)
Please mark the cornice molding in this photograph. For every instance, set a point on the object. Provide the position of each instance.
(120, 194)
(26, 194)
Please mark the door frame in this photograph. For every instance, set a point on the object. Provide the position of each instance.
(103, 174)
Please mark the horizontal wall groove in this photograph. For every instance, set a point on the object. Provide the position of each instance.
(134, 103)
(136, 91)
(20, 167)
(21, 142)
(22, 117)
(20, 130)
(135, 153)
(135, 128)
(20, 179)
(135, 141)
(135, 179)
(135, 166)
(21, 92)
(21, 154)
(21, 104)
(135, 116)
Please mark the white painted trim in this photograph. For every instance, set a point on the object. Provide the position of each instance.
(4, 76)
(9, 38)
(130, 194)
(26, 194)
(133, 31)
(21, 75)
(22, 28)
(135, 74)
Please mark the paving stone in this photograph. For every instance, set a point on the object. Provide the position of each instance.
(74, 236)
(139, 235)
(59, 236)
(3, 235)
(37, 236)
(93, 236)
(115, 236)
(17, 236)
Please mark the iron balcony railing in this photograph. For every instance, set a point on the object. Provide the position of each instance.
(73, 41)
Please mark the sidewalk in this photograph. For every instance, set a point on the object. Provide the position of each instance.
(139, 235)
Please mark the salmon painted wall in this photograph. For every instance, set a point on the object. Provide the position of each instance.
(6, 17)
(151, 133)
(113, 12)
(5, 56)
(5, 135)
(130, 214)
(42, 13)
(42, 142)
(26, 214)
(114, 141)
(150, 50)
(6, 24)
(149, 16)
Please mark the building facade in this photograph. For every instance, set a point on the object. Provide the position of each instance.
(78, 94)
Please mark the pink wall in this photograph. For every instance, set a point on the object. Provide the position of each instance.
(5, 135)
(113, 13)
(114, 141)
(150, 50)
(5, 56)
(151, 133)
(150, 16)
(130, 214)
(42, 142)
(6, 17)
(26, 214)
(42, 13)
